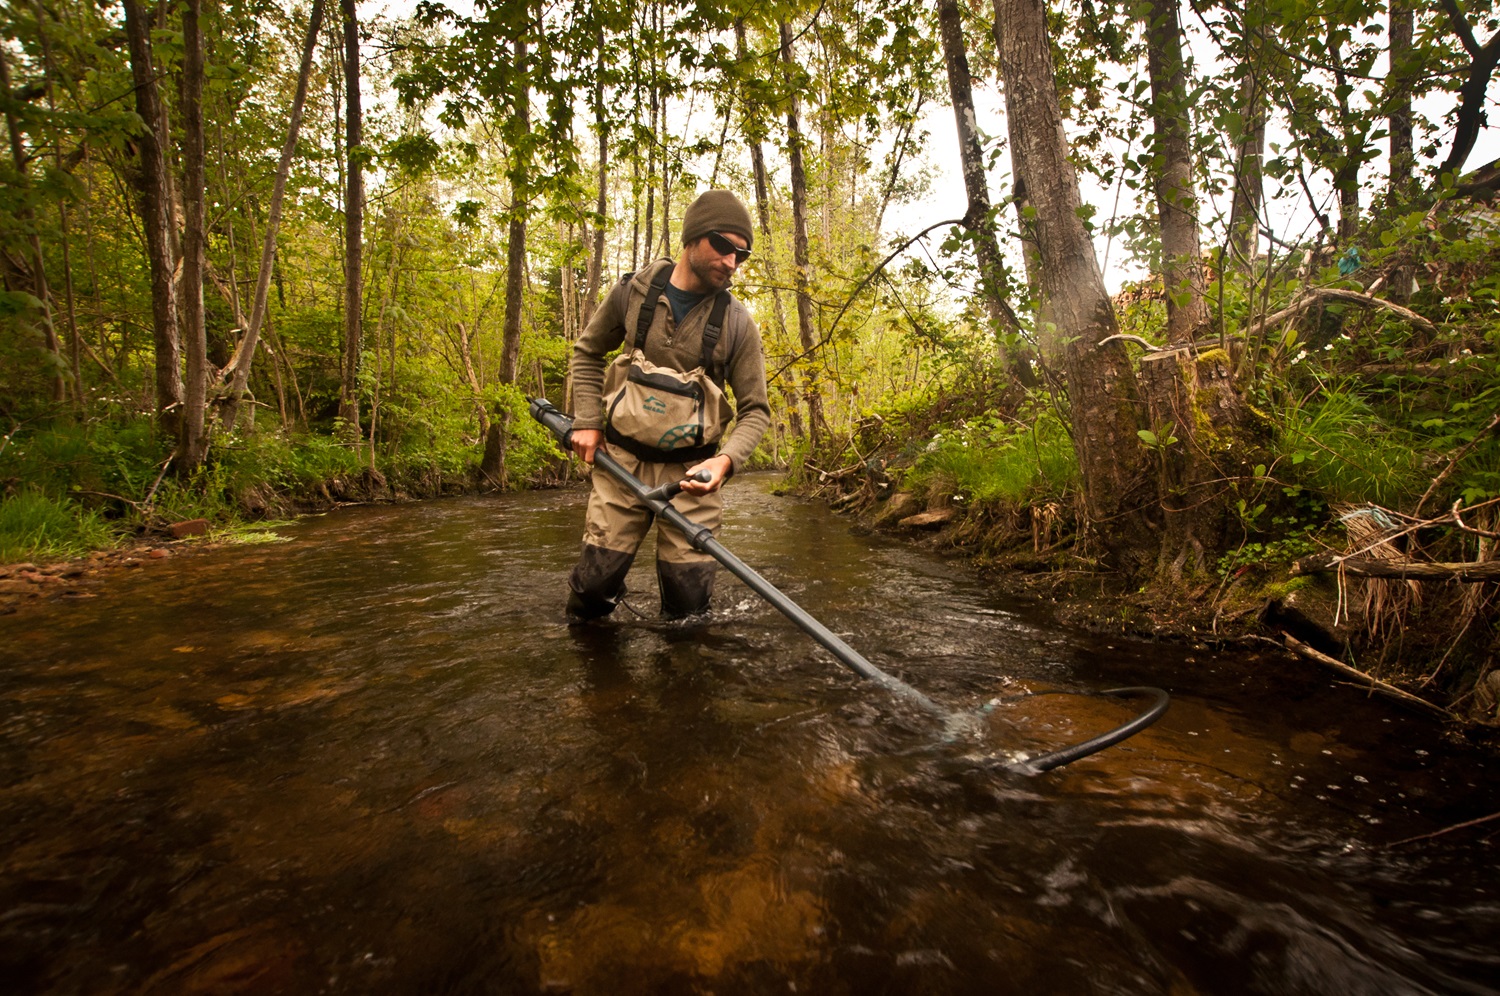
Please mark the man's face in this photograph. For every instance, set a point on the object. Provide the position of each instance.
(714, 268)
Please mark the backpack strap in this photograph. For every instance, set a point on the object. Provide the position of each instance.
(648, 306)
(713, 330)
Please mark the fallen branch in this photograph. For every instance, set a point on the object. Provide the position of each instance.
(1438, 833)
(1375, 684)
(1202, 345)
(1318, 294)
(1404, 570)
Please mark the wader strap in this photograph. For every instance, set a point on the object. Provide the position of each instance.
(711, 333)
(651, 454)
(648, 306)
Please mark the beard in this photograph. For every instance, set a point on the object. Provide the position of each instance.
(709, 267)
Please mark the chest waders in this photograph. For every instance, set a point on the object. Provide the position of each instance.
(659, 500)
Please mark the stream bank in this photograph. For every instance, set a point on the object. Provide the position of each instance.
(1326, 621)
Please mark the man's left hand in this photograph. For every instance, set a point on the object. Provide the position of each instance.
(717, 466)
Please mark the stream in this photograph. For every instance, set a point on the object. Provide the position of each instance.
(373, 758)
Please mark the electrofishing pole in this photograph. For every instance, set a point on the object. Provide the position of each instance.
(659, 500)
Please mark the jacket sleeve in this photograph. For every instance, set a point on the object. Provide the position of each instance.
(746, 377)
(602, 336)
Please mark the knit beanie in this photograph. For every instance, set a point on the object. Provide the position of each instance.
(716, 211)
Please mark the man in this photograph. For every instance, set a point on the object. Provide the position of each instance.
(681, 317)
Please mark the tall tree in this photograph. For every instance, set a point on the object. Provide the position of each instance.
(239, 373)
(38, 264)
(1176, 199)
(1484, 58)
(977, 218)
(601, 206)
(817, 423)
(354, 222)
(1076, 313)
(492, 461)
(157, 217)
(1402, 22)
(515, 255)
(192, 446)
(753, 125)
(1249, 134)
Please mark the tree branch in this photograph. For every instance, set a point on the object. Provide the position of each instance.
(1376, 685)
(1401, 570)
(1316, 294)
(864, 282)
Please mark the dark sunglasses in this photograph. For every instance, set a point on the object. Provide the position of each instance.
(724, 247)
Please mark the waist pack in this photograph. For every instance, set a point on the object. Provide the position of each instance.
(658, 413)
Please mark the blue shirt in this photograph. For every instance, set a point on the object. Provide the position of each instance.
(681, 301)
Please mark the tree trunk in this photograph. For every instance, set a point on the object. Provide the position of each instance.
(1351, 147)
(492, 462)
(75, 343)
(1176, 201)
(1402, 20)
(992, 276)
(1195, 413)
(354, 221)
(192, 445)
(596, 260)
(245, 354)
(817, 425)
(157, 219)
(1076, 312)
(755, 132)
(1245, 206)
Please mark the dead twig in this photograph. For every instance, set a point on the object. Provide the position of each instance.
(1374, 684)
(1438, 833)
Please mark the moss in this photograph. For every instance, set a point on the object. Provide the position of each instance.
(1281, 588)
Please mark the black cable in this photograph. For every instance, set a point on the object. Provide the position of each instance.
(1093, 745)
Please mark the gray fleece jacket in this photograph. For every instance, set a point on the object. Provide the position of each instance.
(738, 360)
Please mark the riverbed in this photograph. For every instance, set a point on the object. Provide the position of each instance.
(373, 758)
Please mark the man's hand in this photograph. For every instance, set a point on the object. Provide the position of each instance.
(717, 466)
(586, 441)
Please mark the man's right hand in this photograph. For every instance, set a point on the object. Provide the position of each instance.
(586, 441)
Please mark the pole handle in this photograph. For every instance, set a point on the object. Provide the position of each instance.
(671, 489)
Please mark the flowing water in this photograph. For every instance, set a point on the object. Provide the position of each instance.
(374, 759)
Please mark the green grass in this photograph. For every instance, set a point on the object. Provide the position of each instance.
(989, 461)
(36, 527)
(1338, 444)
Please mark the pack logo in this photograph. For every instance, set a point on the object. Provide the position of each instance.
(680, 437)
(654, 405)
